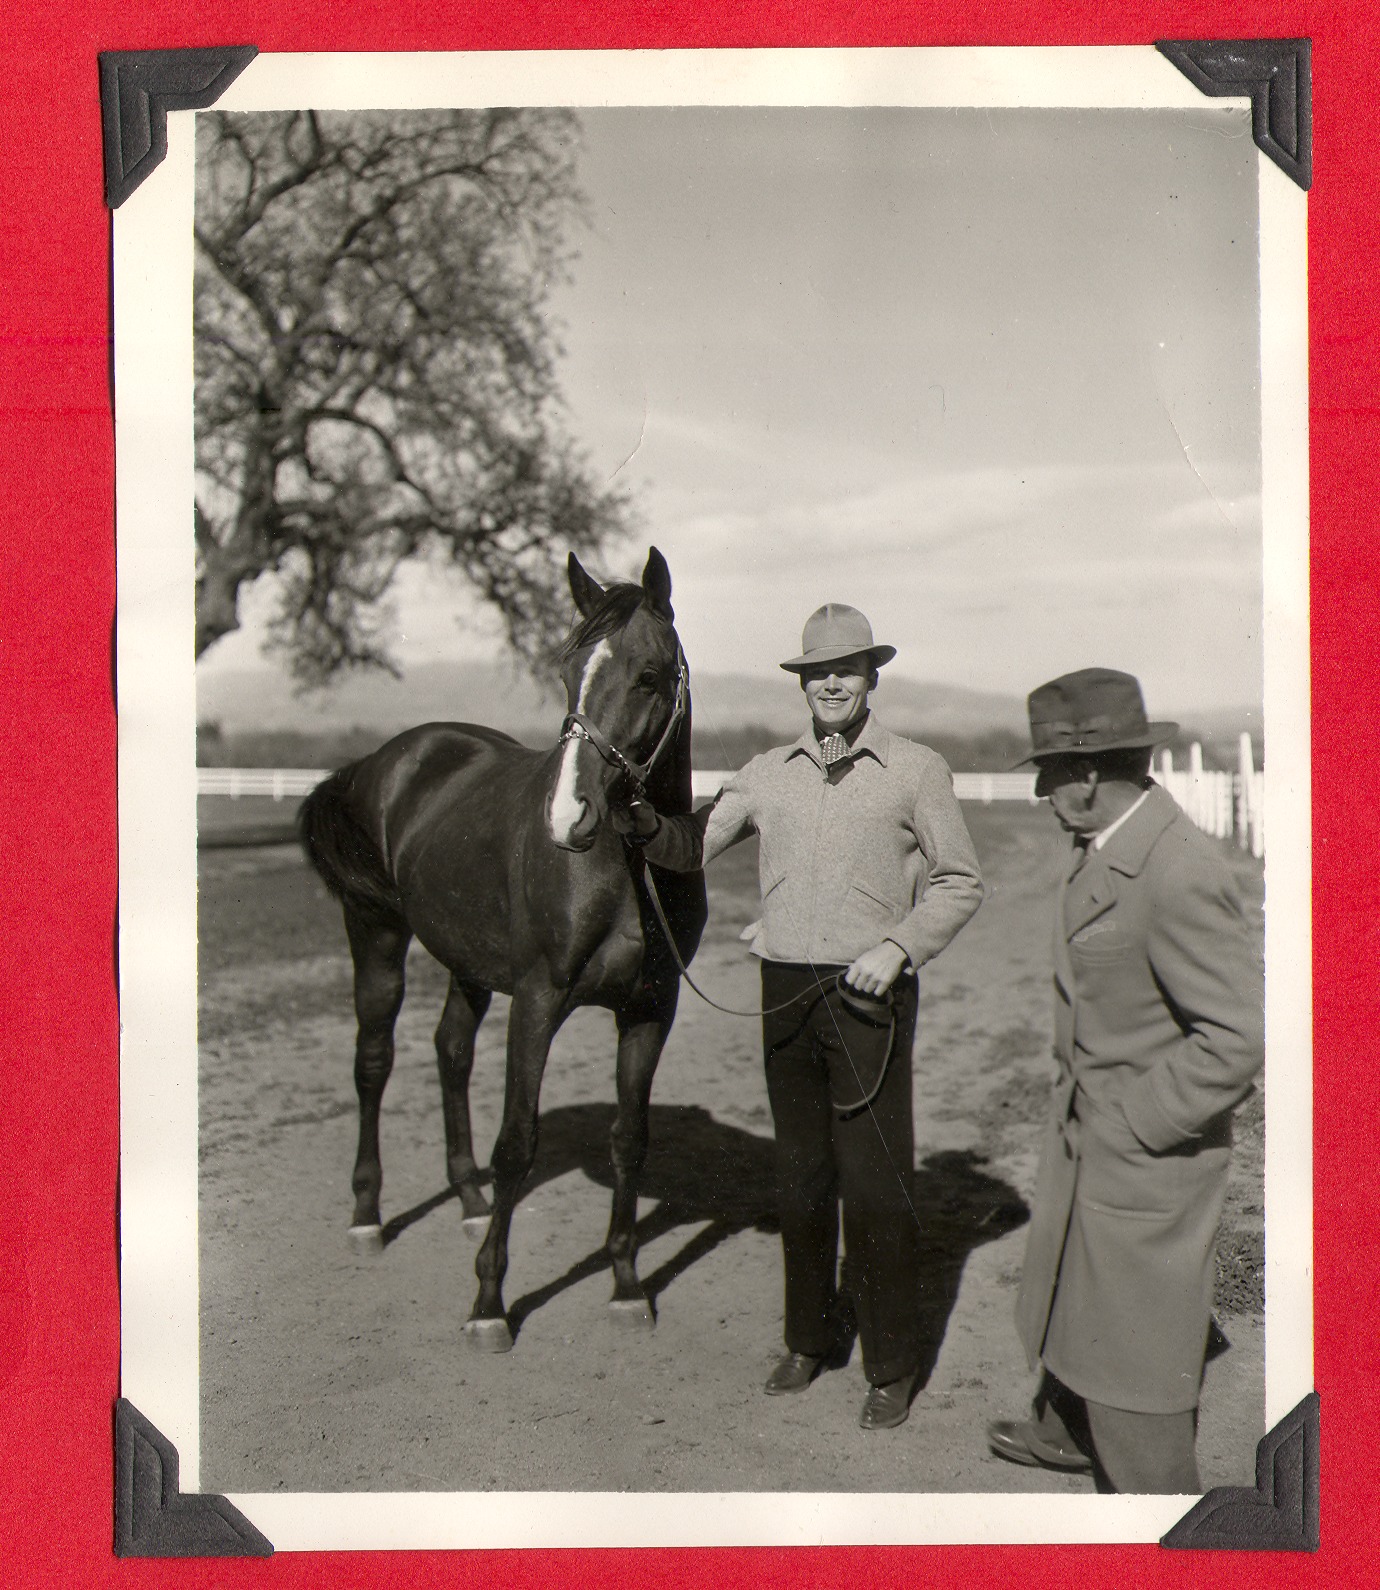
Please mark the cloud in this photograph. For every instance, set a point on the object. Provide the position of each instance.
(990, 577)
(1058, 518)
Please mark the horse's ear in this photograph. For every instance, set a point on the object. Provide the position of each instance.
(584, 588)
(656, 583)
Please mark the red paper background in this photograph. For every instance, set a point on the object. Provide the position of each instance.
(59, 1317)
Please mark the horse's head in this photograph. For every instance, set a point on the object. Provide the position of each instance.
(627, 696)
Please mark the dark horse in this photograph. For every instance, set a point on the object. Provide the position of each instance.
(504, 864)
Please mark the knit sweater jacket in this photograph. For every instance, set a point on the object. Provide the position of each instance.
(875, 850)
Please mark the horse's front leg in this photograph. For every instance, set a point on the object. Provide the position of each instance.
(466, 1004)
(537, 1012)
(641, 1037)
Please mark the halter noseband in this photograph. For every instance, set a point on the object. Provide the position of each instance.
(578, 727)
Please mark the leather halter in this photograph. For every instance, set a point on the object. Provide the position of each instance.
(578, 727)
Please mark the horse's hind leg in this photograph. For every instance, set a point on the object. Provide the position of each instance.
(379, 948)
(465, 1007)
(640, 1041)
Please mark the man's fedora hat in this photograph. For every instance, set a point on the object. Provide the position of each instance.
(1095, 709)
(833, 631)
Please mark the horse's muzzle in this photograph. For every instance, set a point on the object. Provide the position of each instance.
(576, 836)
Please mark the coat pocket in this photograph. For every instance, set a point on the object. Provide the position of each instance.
(864, 915)
(1122, 1212)
(866, 911)
(1119, 1177)
(777, 933)
(871, 900)
(1100, 943)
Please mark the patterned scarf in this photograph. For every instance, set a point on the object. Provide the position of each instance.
(833, 748)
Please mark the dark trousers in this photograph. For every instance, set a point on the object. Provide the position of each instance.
(1145, 1454)
(821, 1062)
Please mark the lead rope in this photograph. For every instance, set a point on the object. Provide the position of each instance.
(728, 1010)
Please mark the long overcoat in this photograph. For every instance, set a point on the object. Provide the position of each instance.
(1159, 1033)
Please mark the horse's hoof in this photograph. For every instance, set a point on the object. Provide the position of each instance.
(475, 1226)
(489, 1335)
(366, 1241)
(632, 1313)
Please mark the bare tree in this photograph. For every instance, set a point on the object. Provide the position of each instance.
(375, 371)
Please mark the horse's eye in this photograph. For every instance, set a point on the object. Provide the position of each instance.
(650, 680)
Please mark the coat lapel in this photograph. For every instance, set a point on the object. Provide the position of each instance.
(1093, 888)
(1088, 894)
(1063, 966)
(1130, 846)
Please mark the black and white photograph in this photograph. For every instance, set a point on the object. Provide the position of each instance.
(698, 926)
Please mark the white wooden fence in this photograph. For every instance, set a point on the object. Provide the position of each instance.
(1229, 805)
(279, 782)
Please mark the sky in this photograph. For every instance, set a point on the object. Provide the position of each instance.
(991, 376)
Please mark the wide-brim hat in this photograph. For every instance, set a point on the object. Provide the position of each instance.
(833, 631)
(1095, 709)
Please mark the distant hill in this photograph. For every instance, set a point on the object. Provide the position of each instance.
(1220, 725)
(262, 700)
(735, 714)
(909, 706)
(254, 700)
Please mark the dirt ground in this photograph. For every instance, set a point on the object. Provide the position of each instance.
(321, 1372)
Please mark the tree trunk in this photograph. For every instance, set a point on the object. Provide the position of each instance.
(225, 561)
(217, 604)
(222, 567)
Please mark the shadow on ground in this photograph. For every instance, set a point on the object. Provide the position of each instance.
(703, 1172)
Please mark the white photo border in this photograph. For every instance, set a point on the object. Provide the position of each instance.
(153, 269)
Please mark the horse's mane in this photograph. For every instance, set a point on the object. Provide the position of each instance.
(669, 787)
(612, 611)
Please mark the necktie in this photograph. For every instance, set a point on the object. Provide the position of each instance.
(832, 748)
(1082, 844)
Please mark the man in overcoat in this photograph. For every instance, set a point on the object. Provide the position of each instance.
(1159, 1034)
(867, 872)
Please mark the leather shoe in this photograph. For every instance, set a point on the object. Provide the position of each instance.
(1017, 1441)
(794, 1372)
(889, 1405)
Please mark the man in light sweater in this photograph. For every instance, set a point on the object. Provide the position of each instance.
(867, 872)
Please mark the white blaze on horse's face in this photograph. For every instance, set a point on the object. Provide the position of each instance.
(572, 805)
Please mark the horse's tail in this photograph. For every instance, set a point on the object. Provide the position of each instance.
(342, 851)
